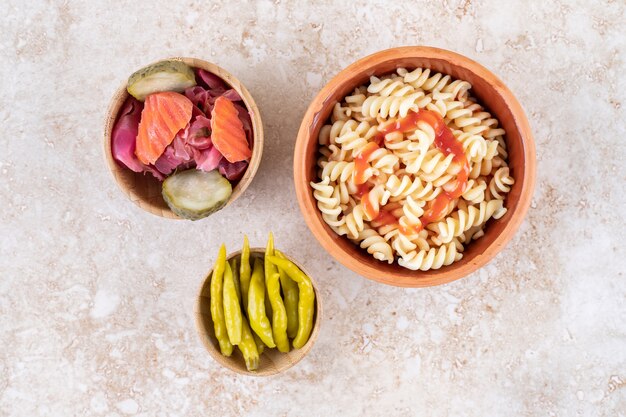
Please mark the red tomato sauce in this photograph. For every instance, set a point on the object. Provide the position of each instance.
(361, 163)
(385, 218)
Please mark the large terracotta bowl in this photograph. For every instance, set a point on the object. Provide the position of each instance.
(490, 91)
(143, 189)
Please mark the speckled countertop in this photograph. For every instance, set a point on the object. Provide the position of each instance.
(96, 296)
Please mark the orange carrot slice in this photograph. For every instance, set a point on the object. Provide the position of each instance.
(163, 115)
(227, 133)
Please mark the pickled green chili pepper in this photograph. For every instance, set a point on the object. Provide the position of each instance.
(268, 306)
(290, 294)
(217, 304)
(248, 347)
(306, 302)
(234, 267)
(232, 308)
(260, 346)
(279, 318)
(256, 306)
(270, 269)
(244, 272)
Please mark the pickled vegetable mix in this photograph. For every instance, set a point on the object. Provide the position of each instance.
(179, 124)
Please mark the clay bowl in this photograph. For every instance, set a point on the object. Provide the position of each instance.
(490, 91)
(271, 360)
(145, 190)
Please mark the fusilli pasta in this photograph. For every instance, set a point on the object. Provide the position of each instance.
(411, 168)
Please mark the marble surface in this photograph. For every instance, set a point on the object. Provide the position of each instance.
(96, 296)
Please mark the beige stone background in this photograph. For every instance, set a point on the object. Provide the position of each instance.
(96, 296)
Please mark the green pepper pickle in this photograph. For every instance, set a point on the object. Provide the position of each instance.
(232, 308)
(306, 302)
(234, 267)
(256, 306)
(260, 346)
(248, 347)
(290, 295)
(244, 272)
(279, 321)
(269, 269)
(277, 311)
(217, 305)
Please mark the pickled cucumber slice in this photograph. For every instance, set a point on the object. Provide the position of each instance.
(162, 76)
(195, 194)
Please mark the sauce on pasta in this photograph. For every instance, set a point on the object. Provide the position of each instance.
(448, 144)
(370, 211)
(361, 163)
(362, 189)
(409, 230)
(385, 218)
(445, 141)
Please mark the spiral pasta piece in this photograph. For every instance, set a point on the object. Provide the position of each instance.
(485, 167)
(433, 258)
(475, 191)
(445, 108)
(501, 148)
(378, 106)
(435, 165)
(389, 87)
(479, 122)
(400, 189)
(411, 150)
(399, 145)
(349, 205)
(351, 141)
(383, 161)
(493, 149)
(475, 146)
(354, 103)
(327, 202)
(458, 89)
(330, 133)
(375, 199)
(376, 245)
(401, 244)
(472, 233)
(423, 136)
(339, 154)
(337, 170)
(412, 210)
(501, 183)
(323, 138)
(466, 217)
(420, 140)
(339, 113)
(353, 222)
(346, 191)
(421, 78)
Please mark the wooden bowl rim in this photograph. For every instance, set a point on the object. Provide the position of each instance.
(229, 362)
(120, 96)
(409, 278)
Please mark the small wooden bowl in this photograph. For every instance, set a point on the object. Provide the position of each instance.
(143, 189)
(271, 360)
(490, 91)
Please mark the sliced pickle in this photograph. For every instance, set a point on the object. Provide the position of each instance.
(162, 76)
(195, 194)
